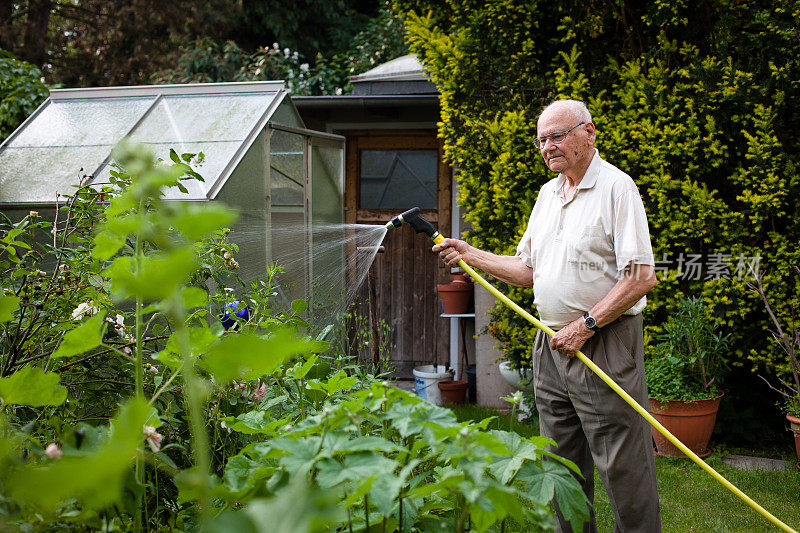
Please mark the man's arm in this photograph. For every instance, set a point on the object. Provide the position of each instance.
(508, 268)
(637, 281)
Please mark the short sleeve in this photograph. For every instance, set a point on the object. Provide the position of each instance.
(524, 247)
(631, 232)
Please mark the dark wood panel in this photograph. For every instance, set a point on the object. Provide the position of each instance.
(407, 272)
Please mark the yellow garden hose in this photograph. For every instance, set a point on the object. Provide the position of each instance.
(438, 238)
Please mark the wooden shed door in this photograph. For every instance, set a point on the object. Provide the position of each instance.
(389, 172)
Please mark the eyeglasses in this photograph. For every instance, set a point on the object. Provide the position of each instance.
(557, 137)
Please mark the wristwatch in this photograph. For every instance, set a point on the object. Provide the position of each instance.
(590, 322)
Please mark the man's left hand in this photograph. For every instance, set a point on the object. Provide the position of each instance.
(571, 338)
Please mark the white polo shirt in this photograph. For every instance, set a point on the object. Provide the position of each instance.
(578, 247)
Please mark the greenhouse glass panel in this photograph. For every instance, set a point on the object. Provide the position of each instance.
(215, 157)
(290, 233)
(287, 168)
(328, 231)
(82, 122)
(214, 118)
(38, 174)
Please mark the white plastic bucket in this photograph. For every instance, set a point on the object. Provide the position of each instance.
(426, 378)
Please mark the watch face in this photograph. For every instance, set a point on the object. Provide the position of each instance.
(591, 323)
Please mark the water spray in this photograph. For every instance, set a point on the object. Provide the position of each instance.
(413, 218)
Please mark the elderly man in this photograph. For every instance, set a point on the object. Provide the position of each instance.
(587, 255)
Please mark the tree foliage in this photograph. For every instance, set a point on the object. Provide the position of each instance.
(128, 42)
(326, 71)
(696, 103)
(21, 92)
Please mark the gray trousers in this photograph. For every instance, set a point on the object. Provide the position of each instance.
(592, 425)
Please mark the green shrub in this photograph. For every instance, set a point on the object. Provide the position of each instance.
(681, 103)
(690, 359)
(21, 92)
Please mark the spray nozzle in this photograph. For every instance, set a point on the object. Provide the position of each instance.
(415, 220)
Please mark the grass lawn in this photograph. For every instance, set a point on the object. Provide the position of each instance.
(691, 500)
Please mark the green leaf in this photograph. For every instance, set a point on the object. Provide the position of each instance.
(32, 386)
(338, 382)
(355, 467)
(106, 244)
(297, 507)
(85, 337)
(192, 297)
(254, 422)
(542, 482)
(8, 304)
(301, 371)
(340, 443)
(242, 473)
(198, 221)
(159, 277)
(174, 156)
(300, 456)
(95, 479)
(506, 467)
(240, 356)
(299, 306)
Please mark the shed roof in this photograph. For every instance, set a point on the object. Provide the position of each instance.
(404, 75)
(73, 132)
(406, 67)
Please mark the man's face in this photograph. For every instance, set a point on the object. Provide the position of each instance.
(577, 148)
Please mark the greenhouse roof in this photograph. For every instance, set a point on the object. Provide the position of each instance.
(73, 132)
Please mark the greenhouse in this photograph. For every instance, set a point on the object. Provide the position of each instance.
(258, 158)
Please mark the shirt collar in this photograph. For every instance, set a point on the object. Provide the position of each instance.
(589, 178)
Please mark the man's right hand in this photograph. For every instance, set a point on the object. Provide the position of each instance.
(452, 250)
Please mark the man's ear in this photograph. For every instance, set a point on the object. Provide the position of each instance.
(591, 132)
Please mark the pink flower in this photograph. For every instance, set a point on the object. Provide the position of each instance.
(153, 438)
(259, 393)
(53, 451)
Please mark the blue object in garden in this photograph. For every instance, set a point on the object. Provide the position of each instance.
(239, 309)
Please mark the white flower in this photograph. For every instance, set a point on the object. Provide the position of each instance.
(275, 46)
(286, 52)
(153, 438)
(228, 289)
(84, 308)
(304, 67)
(53, 451)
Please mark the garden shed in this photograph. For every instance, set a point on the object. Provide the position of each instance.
(390, 123)
(258, 157)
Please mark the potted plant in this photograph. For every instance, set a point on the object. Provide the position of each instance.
(788, 338)
(684, 375)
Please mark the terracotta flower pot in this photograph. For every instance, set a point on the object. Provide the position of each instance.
(459, 277)
(691, 422)
(794, 425)
(453, 392)
(455, 297)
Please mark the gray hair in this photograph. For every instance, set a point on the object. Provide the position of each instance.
(576, 108)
